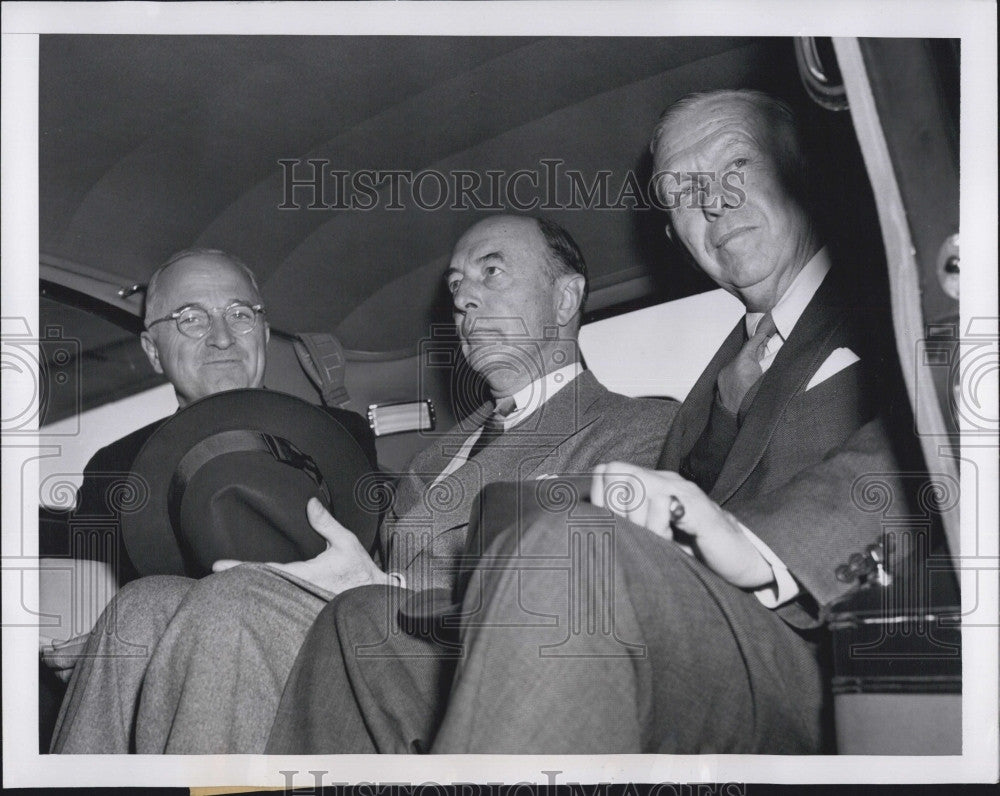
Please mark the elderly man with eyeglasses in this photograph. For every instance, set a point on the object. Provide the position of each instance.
(202, 326)
(206, 331)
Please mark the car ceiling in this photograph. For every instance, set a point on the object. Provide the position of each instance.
(151, 144)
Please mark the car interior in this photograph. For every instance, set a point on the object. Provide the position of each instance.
(152, 144)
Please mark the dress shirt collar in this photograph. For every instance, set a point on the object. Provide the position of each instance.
(796, 298)
(531, 397)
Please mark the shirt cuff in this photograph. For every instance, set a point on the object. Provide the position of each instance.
(784, 588)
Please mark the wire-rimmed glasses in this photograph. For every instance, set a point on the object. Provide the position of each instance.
(195, 321)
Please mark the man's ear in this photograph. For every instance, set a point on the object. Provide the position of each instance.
(152, 352)
(570, 298)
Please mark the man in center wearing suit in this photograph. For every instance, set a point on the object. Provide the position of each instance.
(217, 667)
(680, 609)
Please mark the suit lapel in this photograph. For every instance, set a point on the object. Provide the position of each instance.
(799, 357)
(517, 454)
(521, 451)
(431, 461)
(692, 417)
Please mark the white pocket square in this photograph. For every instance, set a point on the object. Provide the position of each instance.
(836, 362)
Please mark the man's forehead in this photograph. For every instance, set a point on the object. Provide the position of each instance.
(204, 268)
(495, 236)
(200, 277)
(707, 130)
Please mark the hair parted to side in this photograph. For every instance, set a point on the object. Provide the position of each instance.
(780, 124)
(564, 255)
(195, 252)
(778, 112)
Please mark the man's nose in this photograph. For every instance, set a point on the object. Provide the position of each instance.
(715, 201)
(220, 335)
(466, 297)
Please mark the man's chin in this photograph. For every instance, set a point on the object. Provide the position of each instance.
(506, 372)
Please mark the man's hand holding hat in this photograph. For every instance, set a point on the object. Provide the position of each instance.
(343, 565)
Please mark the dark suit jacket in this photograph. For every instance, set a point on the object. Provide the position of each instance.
(580, 426)
(790, 476)
(84, 534)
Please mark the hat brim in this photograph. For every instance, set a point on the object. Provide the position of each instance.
(150, 538)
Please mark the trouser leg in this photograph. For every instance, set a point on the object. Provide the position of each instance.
(361, 684)
(98, 711)
(216, 677)
(591, 635)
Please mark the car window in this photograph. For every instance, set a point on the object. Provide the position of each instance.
(90, 354)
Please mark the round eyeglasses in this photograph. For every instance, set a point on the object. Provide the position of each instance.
(196, 322)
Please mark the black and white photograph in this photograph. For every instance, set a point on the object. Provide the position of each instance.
(556, 392)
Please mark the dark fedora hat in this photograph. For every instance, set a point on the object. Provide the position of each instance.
(229, 476)
(500, 507)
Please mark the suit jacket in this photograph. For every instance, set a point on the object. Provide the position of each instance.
(96, 503)
(580, 426)
(792, 473)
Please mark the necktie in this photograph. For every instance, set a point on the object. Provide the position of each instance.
(494, 425)
(735, 389)
(736, 378)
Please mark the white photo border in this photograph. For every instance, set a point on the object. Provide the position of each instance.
(972, 22)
